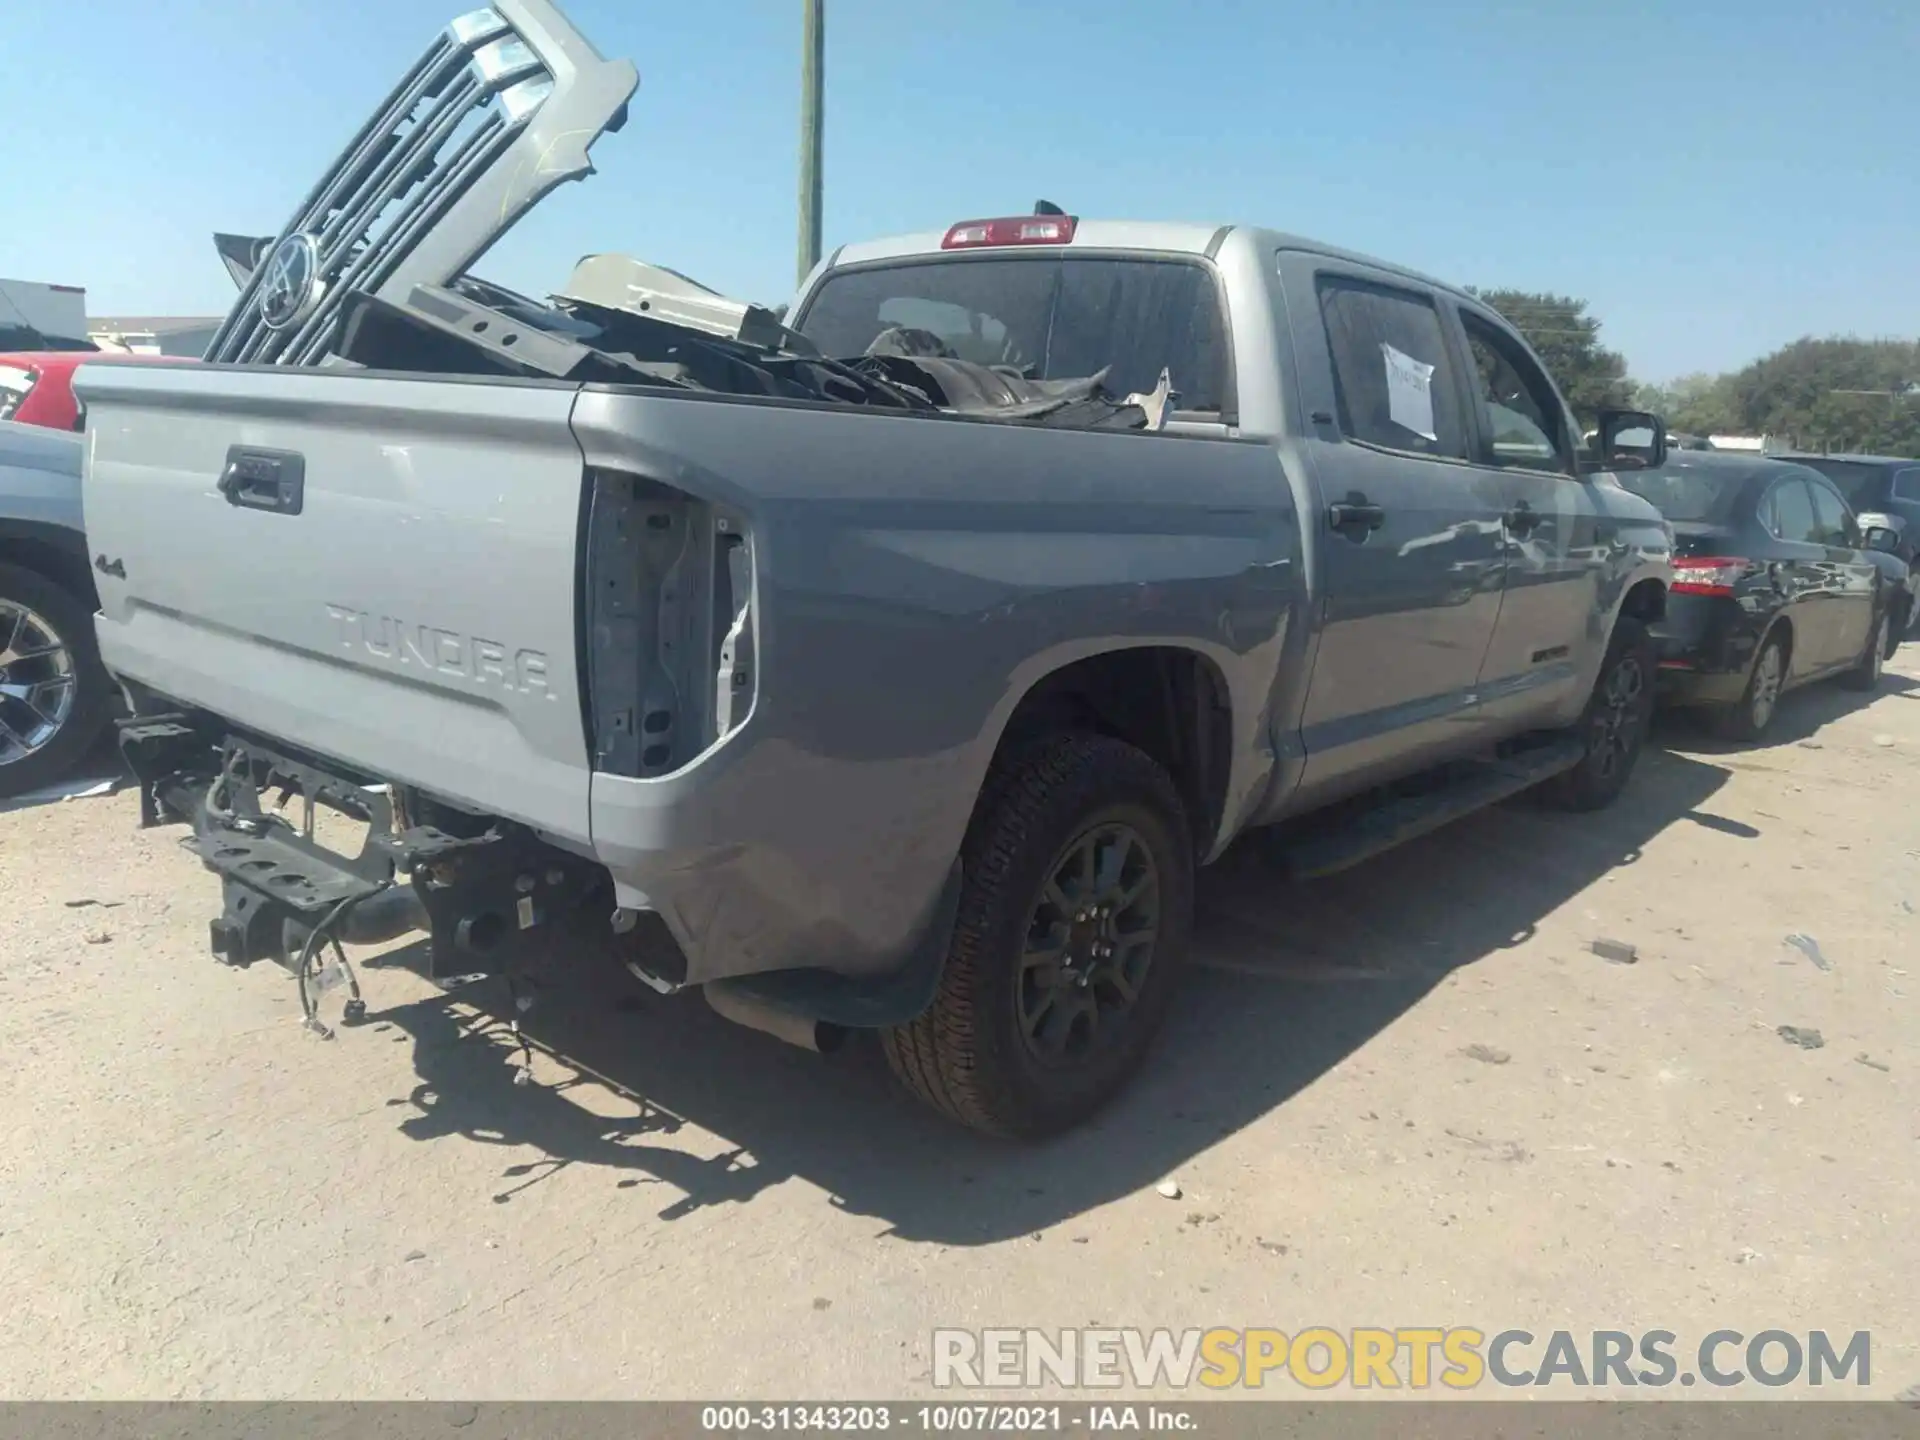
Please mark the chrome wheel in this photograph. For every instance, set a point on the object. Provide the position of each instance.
(38, 682)
(1768, 676)
(1090, 942)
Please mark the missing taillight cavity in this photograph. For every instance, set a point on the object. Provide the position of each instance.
(1018, 230)
(1709, 574)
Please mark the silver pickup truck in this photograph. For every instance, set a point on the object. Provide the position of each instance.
(888, 666)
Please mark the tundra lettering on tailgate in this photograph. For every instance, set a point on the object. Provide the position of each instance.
(405, 644)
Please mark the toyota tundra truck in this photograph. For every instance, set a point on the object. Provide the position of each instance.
(886, 663)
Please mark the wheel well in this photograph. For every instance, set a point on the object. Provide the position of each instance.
(1783, 627)
(1646, 602)
(62, 566)
(1166, 700)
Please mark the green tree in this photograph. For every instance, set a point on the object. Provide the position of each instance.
(1567, 340)
(1698, 404)
(1836, 393)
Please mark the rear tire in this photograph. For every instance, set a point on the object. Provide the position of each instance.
(1748, 718)
(46, 632)
(1866, 674)
(1614, 724)
(1036, 885)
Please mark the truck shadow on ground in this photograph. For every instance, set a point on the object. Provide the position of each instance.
(1288, 981)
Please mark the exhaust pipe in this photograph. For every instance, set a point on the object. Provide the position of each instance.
(756, 1014)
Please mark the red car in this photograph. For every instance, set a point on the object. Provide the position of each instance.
(36, 386)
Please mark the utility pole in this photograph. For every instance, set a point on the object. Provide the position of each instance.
(812, 62)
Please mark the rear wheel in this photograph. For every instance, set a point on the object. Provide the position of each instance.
(1073, 924)
(1749, 717)
(1614, 726)
(1866, 674)
(55, 698)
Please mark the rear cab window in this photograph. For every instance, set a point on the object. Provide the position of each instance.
(1906, 484)
(1046, 317)
(1393, 378)
(1692, 494)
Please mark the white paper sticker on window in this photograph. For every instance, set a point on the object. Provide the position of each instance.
(1409, 392)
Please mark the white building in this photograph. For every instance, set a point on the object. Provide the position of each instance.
(187, 335)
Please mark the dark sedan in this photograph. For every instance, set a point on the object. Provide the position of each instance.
(1771, 587)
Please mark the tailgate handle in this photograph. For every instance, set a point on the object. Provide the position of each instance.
(272, 480)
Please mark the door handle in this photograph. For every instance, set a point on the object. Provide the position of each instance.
(270, 480)
(1356, 516)
(1522, 519)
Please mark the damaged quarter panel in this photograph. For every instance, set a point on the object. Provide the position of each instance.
(899, 612)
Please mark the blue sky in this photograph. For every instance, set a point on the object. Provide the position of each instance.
(1716, 178)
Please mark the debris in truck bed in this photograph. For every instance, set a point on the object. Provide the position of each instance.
(474, 327)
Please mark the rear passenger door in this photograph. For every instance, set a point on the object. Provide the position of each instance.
(1801, 573)
(1852, 578)
(1407, 544)
(1555, 558)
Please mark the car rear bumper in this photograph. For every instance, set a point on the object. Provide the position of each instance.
(1705, 648)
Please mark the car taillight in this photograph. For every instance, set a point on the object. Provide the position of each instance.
(1709, 574)
(1020, 230)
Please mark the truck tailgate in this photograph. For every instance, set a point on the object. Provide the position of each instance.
(379, 569)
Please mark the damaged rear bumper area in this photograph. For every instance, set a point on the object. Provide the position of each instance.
(493, 898)
(479, 889)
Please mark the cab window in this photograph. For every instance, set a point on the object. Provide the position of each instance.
(1792, 516)
(1393, 379)
(1833, 522)
(1519, 410)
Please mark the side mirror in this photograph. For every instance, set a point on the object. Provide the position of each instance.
(1878, 531)
(1630, 440)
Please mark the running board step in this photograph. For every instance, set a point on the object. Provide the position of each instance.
(1473, 786)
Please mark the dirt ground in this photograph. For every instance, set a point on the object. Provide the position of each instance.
(1410, 1095)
